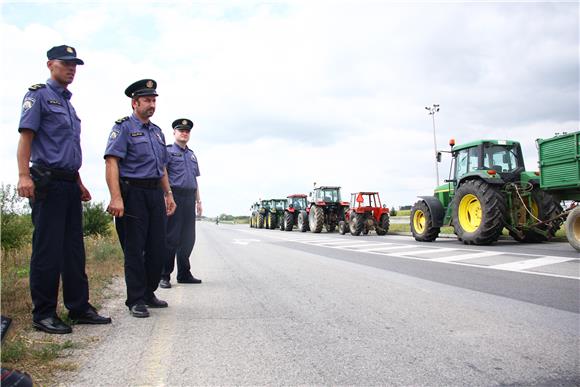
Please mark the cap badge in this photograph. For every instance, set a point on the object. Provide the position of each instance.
(69, 50)
(184, 122)
(149, 84)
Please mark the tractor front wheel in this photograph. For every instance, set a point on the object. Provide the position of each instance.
(478, 213)
(422, 223)
(383, 226)
(356, 224)
(302, 221)
(316, 219)
(288, 221)
(261, 221)
(342, 227)
(573, 228)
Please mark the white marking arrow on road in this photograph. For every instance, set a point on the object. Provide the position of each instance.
(244, 241)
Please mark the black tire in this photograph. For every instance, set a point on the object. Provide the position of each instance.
(421, 220)
(316, 219)
(303, 221)
(384, 224)
(573, 228)
(330, 227)
(356, 224)
(342, 227)
(288, 221)
(260, 220)
(478, 212)
(271, 221)
(547, 208)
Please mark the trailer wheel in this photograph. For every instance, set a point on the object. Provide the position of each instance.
(478, 213)
(342, 227)
(302, 221)
(544, 207)
(316, 219)
(573, 228)
(422, 223)
(288, 221)
(383, 226)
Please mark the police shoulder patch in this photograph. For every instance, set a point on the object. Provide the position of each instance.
(121, 120)
(38, 86)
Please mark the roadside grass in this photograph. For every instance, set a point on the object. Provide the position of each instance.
(38, 354)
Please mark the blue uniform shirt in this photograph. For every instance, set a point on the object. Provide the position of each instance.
(47, 111)
(182, 167)
(140, 147)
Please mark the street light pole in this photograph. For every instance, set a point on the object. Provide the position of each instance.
(432, 110)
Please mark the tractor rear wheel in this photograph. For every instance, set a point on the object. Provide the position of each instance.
(478, 213)
(356, 224)
(302, 221)
(271, 221)
(422, 223)
(573, 228)
(383, 226)
(342, 227)
(288, 221)
(544, 207)
(316, 219)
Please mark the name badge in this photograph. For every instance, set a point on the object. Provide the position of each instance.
(137, 134)
(53, 102)
(176, 154)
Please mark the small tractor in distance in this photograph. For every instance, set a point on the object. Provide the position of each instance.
(275, 213)
(254, 214)
(489, 190)
(263, 211)
(296, 203)
(324, 210)
(365, 214)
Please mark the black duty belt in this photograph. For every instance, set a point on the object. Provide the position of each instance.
(55, 173)
(142, 183)
(183, 191)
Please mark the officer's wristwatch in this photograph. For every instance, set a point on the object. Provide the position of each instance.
(168, 192)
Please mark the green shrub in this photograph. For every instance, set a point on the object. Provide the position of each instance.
(393, 211)
(16, 223)
(95, 220)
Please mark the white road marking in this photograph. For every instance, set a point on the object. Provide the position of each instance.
(389, 248)
(244, 241)
(425, 251)
(478, 254)
(532, 263)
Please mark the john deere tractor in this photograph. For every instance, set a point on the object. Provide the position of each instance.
(262, 214)
(488, 189)
(295, 204)
(325, 209)
(275, 213)
(254, 214)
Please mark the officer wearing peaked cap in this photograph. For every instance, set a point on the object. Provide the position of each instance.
(141, 198)
(50, 138)
(183, 171)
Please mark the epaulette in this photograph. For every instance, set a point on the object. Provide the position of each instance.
(121, 120)
(38, 86)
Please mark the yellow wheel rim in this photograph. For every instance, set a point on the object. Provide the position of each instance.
(469, 213)
(419, 221)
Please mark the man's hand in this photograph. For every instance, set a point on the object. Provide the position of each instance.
(170, 205)
(116, 207)
(198, 209)
(85, 194)
(25, 187)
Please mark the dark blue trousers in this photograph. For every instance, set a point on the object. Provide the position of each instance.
(141, 233)
(58, 250)
(180, 236)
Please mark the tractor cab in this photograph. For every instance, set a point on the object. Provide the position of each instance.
(326, 195)
(297, 202)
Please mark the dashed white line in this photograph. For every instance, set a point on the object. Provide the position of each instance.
(532, 263)
(479, 254)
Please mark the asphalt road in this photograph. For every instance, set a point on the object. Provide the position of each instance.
(289, 308)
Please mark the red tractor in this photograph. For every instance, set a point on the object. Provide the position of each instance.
(295, 204)
(325, 209)
(365, 214)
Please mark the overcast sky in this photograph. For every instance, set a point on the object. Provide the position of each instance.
(287, 93)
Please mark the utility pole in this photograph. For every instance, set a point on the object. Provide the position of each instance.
(432, 110)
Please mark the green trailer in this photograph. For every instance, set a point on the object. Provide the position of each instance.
(559, 161)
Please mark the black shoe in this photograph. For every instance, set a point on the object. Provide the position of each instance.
(90, 316)
(189, 280)
(52, 325)
(139, 310)
(155, 302)
(164, 284)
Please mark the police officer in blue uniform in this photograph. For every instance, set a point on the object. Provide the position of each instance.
(141, 199)
(50, 138)
(183, 171)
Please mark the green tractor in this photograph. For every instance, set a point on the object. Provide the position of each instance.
(254, 215)
(262, 214)
(275, 215)
(489, 190)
